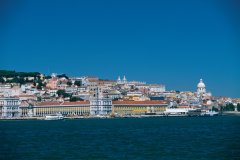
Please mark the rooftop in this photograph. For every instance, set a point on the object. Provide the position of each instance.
(56, 103)
(140, 102)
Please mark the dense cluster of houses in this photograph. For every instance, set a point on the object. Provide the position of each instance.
(87, 95)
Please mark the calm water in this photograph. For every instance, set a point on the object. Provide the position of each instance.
(145, 138)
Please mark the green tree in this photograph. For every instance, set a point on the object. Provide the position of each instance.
(62, 92)
(62, 75)
(238, 107)
(78, 83)
(39, 87)
(39, 99)
(48, 77)
(228, 107)
(2, 80)
(214, 109)
(69, 83)
(115, 99)
(74, 99)
(21, 80)
(6, 73)
(17, 80)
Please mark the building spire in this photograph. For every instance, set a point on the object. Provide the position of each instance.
(124, 79)
(119, 79)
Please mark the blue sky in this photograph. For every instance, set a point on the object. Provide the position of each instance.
(170, 42)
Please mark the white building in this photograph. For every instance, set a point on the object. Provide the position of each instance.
(113, 94)
(157, 88)
(201, 88)
(82, 89)
(123, 81)
(71, 90)
(136, 93)
(5, 86)
(52, 92)
(100, 105)
(9, 91)
(9, 107)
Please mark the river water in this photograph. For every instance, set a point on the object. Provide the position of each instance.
(129, 138)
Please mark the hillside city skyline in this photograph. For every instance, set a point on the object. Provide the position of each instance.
(121, 77)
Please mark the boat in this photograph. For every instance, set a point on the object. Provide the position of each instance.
(57, 116)
(210, 113)
(176, 111)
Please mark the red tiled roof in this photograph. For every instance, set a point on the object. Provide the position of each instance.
(140, 102)
(23, 104)
(76, 103)
(26, 95)
(183, 106)
(93, 80)
(100, 80)
(103, 80)
(55, 103)
(48, 103)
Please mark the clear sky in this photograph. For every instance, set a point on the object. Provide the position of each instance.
(172, 42)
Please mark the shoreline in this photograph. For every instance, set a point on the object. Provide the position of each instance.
(232, 113)
(124, 117)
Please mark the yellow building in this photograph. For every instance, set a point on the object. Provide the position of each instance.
(82, 108)
(138, 107)
(65, 108)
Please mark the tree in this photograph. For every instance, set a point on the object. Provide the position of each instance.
(69, 83)
(21, 80)
(228, 107)
(238, 107)
(115, 99)
(39, 87)
(17, 80)
(78, 83)
(62, 75)
(74, 99)
(48, 77)
(8, 74)
(39, 99)
(2, 80)
(39, 83)
(214, 109)
(62, 92)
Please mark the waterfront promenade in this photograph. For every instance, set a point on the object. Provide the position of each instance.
(112, 117)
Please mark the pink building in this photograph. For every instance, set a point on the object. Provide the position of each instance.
(52, 83)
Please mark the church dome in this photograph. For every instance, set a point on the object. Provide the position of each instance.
(201, 84)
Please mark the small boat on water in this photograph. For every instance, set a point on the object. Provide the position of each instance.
(210, 113)
(57, 116)
(176, 111)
